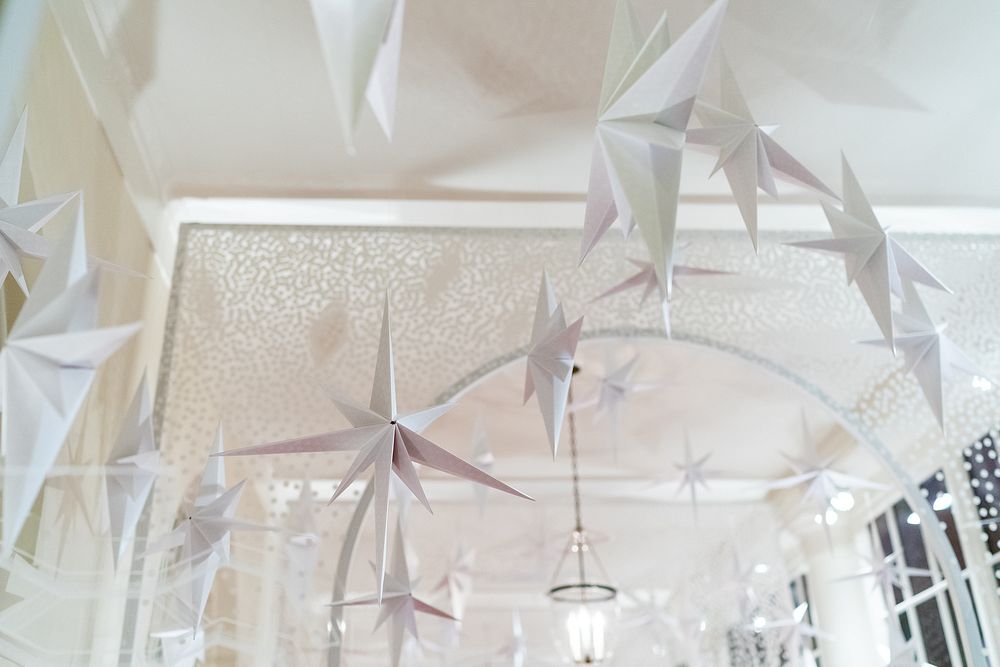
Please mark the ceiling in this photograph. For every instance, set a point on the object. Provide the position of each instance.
(687, 388)
(497, 99)
(496, 102)
(268, 320)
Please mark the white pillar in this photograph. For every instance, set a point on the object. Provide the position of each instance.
(841, 608)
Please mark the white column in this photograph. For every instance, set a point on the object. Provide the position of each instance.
(841, 608)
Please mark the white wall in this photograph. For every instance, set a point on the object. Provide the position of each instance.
(67, 150)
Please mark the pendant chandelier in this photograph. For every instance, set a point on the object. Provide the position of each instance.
(583, 601)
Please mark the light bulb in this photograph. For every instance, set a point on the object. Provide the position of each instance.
(842, 501)
(942, 502)
(585, 630)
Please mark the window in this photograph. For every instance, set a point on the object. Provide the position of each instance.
(799, 590)
(922, 603)
(983, 468)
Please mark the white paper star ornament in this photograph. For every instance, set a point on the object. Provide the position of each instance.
(11, 163)
(615, 389)
(205, 531)
(646, 279)
(640, 131)
(694, 474)
(822, 481)
(386, 441)
(748, 156)
(874, 260)
(932, 357)
(131, 471)
(550, 360)
(19, 222)
(203, 536)
(885, 571)
(398, 604)
(795, 630)
(361, 42)
(46, 368)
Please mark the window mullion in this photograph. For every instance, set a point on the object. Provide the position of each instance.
(911, 613)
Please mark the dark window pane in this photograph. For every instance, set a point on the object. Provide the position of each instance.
(932, 632)
(799, 589)
(912, 540)
(954, 625)
(936, 492)
(882, 528)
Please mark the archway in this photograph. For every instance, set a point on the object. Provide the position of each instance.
(935, 536)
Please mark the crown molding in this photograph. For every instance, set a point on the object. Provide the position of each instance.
(549, 214)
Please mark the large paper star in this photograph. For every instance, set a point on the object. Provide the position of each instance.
(694, 474)
(46, 368)
(19, 222)
(931, 356)
(131, 471)
(385, 440)
(361, 42)
(646, 102)
(748, 156)
(398, 605)
(823, 483)
(203, 536)
(550, 360)
(874, 260)
(646, 278)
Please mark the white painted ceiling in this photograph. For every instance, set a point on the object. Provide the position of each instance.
(726, 405)
(497, 97)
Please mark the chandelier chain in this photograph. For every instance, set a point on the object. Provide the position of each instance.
(573, 461)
